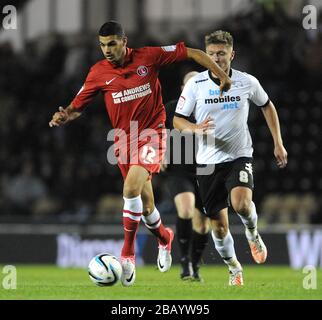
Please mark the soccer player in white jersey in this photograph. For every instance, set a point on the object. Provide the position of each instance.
(225, 147)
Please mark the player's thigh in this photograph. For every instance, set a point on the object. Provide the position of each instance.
(150, 153)
(199, 204)
(200, 223)
(147, 198)
(212, 190)
(240, 183)
(185, 204)
(181, 190)
(219, 223)
(134, 181)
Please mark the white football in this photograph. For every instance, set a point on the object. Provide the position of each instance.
(105, 270)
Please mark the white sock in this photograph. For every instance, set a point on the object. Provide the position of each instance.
(225, 246)
(133, 207)
(153, 220)
(250, 222)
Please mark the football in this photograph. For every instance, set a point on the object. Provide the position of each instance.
(105, 270)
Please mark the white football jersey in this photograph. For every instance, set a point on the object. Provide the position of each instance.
(231, 138)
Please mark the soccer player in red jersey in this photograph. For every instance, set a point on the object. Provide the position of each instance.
(128, 80)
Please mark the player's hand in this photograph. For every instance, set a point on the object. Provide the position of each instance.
(281, 156)
(205, 127)
(59, 118)
(164, 165)
(225, 84)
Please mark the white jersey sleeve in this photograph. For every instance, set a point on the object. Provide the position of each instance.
(257, 93)
(187, 101)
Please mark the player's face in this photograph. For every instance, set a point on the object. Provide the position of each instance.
(221, 54)
(113, 48)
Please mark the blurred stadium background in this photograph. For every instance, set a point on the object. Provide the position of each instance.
(60, 201)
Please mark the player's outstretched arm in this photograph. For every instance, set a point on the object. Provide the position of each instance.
(184, 125)
(201, 58)
(273, 123)
(63, 116)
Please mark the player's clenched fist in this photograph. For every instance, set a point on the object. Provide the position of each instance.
(59, 118)
(225, 84)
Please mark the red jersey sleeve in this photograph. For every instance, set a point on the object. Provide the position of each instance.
(169, 54)
(87, 92)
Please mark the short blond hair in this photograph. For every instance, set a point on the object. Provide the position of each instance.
(219, 36)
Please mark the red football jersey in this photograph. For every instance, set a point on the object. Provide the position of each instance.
(132, 92)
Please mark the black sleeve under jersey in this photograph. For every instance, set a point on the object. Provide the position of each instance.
(170, 108)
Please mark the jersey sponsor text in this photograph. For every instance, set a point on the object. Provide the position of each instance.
(131, 94)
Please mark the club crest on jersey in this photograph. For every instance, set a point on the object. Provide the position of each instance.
(142, 71)
(181, 102)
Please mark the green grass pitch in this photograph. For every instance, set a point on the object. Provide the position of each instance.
(261, 282)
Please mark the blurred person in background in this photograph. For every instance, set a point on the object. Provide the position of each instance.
(191, 225)
(128, 79)
(25, 189)
(228, 148)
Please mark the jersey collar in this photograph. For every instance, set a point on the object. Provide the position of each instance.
(127, 59)
(216, 80)
(128, 56)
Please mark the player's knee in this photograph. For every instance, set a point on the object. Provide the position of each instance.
(201, 228)
(186, 212)
(131, 190)
(242, 206)
(221, 231)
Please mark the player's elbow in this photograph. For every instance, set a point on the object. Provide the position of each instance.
(268, 107)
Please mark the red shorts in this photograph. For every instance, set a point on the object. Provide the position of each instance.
(147, 152)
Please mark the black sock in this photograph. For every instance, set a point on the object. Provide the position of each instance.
(184, 232)
(199, 243)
